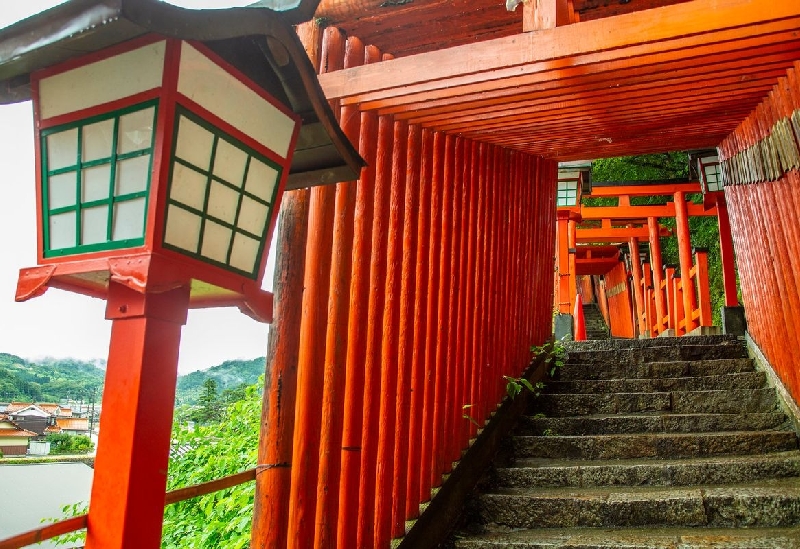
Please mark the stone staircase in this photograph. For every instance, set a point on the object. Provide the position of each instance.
(665, 443)
(596, 327)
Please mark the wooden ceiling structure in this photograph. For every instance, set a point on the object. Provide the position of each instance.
(618, 78)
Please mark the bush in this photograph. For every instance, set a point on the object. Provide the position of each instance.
(62, 443)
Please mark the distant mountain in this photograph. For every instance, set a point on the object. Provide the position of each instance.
(49, 380)
(228, 375)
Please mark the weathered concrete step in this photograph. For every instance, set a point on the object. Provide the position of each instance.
(543, 473)
(655, 353)
(637, 538)
(773, 503)
(609, 424)
(680, 402)
(657, 370)
(743, 380)
(654, 446)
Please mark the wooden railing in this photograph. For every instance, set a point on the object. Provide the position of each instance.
(73, 524)
(672, 286)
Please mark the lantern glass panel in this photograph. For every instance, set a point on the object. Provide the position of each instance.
(62, 230)
(63, 190)
(261, 180)
(98, 219)
(97, 140)
(129, 219)
(229, 203)
(567, 194)
(94, 225)
(62, 149)
(136, 131)
(194, 144)
(95, 183)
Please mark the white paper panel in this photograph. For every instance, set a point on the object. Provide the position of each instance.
(128, 219)
(229, 163)
(135, 131)
(222, 202)
(62, 149)
(261, 180)
(244, 253)
(94, 225)
(63, 190)
(194, 144)
(216, 240)
(101, 82)
(95, 183)
(252, 216)
(213, 88)
(132, 175)
(62, 231)
(97, 140)
(188, 187)
(183, 229)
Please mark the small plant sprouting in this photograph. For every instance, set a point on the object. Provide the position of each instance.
(465, 414)
(549, 433)
(555, 355)
(515, 385)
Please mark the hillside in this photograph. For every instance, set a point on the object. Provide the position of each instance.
(48, 380)
(228, 375)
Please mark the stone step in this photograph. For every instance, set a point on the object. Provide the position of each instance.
(638, 538)
(655, 354)
(772, 503)
(653, 446)
(679, 402)
(679, 368)
(742, 380)
(544, 473)
(706, 340)
(609, 424)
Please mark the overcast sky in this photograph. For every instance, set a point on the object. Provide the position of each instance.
(61, 324)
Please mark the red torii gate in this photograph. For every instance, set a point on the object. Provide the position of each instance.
(662, 300)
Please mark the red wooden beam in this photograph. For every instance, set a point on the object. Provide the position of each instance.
(638, 212)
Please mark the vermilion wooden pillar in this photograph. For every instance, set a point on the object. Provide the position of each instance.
(130, 474)
(726, 253)
(562, 251)
(685, 257)
(658, 272)
(636, 268)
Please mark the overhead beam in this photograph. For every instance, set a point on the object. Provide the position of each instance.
(641, 188)
(616, 236)
(638, 212)
(645, 30)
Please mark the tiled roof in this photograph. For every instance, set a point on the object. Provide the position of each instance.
(49, 407)
(73, 423)
(15, 430)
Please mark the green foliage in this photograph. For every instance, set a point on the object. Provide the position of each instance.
(230, 375)
(554, 353)
(514, 386)
(63, 443)
(48, 380)
(671, 165)
(219, 519)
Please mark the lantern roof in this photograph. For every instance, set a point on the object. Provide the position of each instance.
(258, 40)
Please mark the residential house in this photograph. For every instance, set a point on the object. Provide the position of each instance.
(13, 438)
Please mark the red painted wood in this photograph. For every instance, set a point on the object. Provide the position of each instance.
(409, 292)
(311, 359)
(372, 364)
(419, 375)
(442, 332)
(336, 345)
(475, 358)
(428, 456)
(390, 340)
(658, 272)
(685, 257)
(357, 326)
(130, 473)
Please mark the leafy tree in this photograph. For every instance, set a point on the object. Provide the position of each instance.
(63, 443)
(210, 407)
